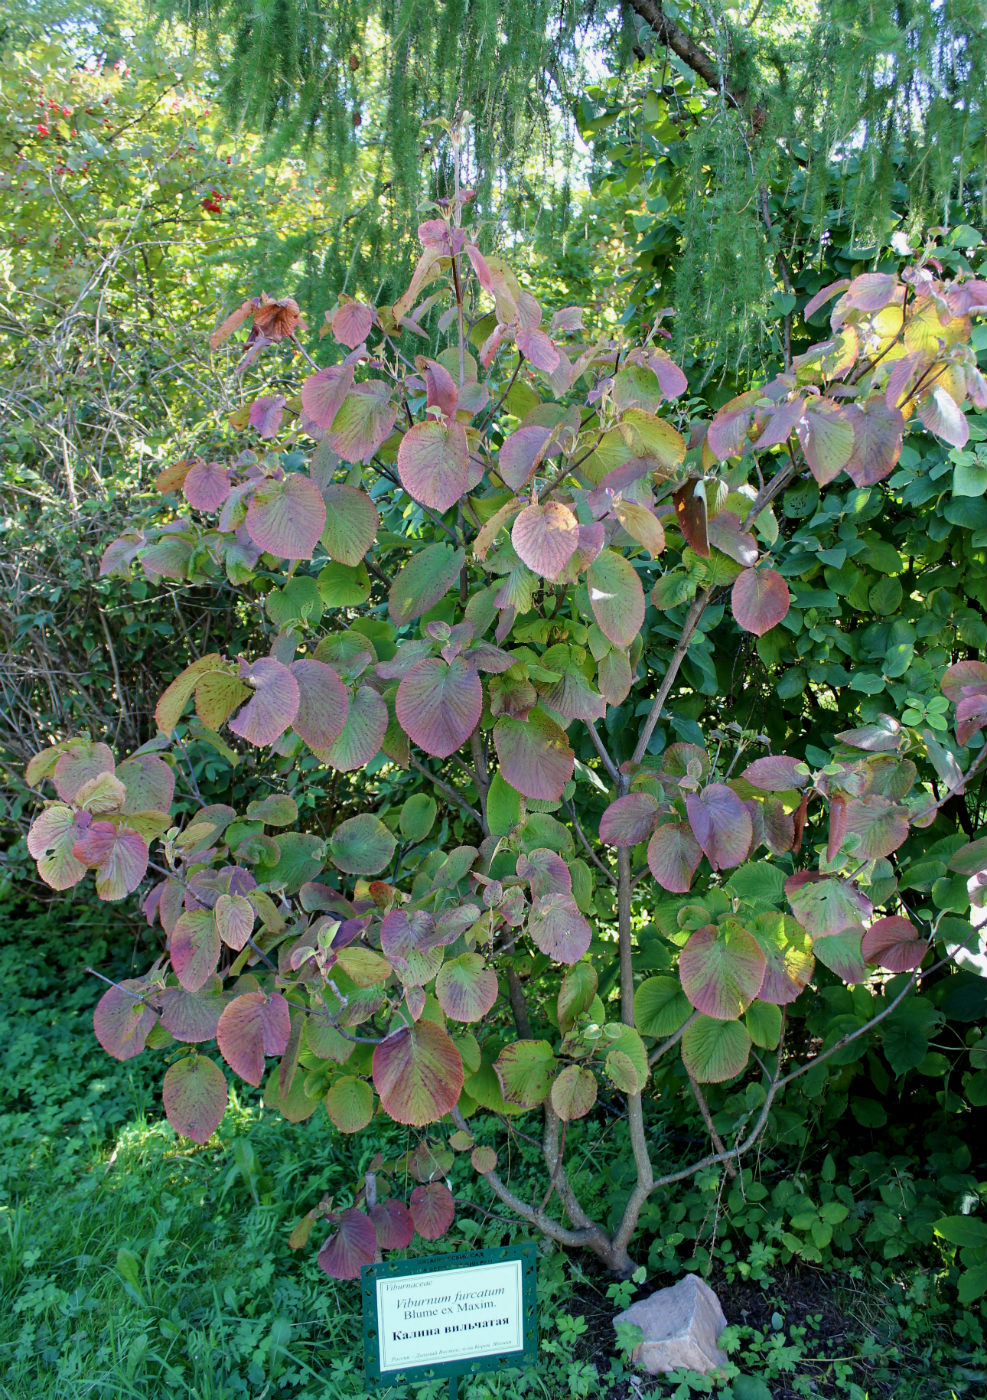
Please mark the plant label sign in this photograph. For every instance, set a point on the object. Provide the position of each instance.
(449, 1315)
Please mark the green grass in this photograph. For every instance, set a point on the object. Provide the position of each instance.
(133, 1264)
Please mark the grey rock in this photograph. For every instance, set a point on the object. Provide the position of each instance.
(681, 1325)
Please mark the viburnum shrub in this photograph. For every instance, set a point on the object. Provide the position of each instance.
(459, 559)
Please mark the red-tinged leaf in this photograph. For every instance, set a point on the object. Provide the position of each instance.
(557, 927)
(574, 1093)
(824, 905)
(673, 857)
(323, 703)
(759, 600)
(538, 349)
(725, 534)
(234, 917)
(778, 826)
(525, 1070)
(432, 1210)
(440, 387)
(418, 1073)
(275, 703)
(572, 696)
(722, 969)
(350, 1248)
(837, 825)
(50, 842)
(894, 943)
(192, 1016)
(466, 988)
(78, 766)
(483, 1159)
(545, 871)
(727, 434)
(821, 297)
(721, 824)
(149, 783)
(841, 953)
(961, 679)
(787, 950)
(168, 558)
(351, 524)
(424, 581)
(714, 1051)
(629, 820)
(971, 716)
(393, 1223)
(871, 291)
(776, 773)
(251, 1027)
(439, 705)
(123, 866)
(323, 394)
(265, 416)
(351, 323)
(943, 416)
(880, 824)
(782, 421)
(350, 1103)
(493, 527)
(826, 434)
(287, 517)
(546, 537)
(616, 597)
(365, 419)
(122, 1021)
(434, 465)
(689, 501)
(534, 755)
(194, 948)
(195, 1095)
(878, 430)
(520, 454)
(207, 485)
(232, 322)
(671, 379)
(362, 734)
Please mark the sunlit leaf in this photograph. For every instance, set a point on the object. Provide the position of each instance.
(714, 1051)
(534, 754)
(195, 1095)
(616, 597)
(574, 1092)
(287, 517)
(251, 1027)
(722, 968)
(418, 1073)
(433, 463)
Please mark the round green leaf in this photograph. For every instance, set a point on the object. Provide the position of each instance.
(350, 1103)
(616, 597)
(362, 845)
(713, 1051)
(526, 1070)
(660, 1006)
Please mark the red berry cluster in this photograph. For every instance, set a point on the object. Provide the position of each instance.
(214, 201)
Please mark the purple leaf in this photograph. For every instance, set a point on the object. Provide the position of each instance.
(546, 537)
(943, 416)
(122, 1021)
(265, 415)
(195, 1095)
(433, 463)
(545, 871)
(776, 773)
(251, 1027)
(439, 705)
(432, 1209)
(534, 755)
(323, 394)
(721, 824)
(351, 323)
(538, 349)
(759, 599)
(353, 1246)
(520, 453)
(557, 927)
(894, 943)
(287, 517)
(393, 1223)
(877, 435)
(629, 820)
(207, 485)
(275, 702)
(194, 948)
(673, 856)
(323, 703)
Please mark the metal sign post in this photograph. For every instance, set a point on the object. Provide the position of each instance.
(450, 1315)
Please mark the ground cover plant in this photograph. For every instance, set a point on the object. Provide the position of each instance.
(166, 1267)
(469, 566)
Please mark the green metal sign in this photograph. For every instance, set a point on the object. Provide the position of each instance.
(449, 1315)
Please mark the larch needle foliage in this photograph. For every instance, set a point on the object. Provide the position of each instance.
(458, 558)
